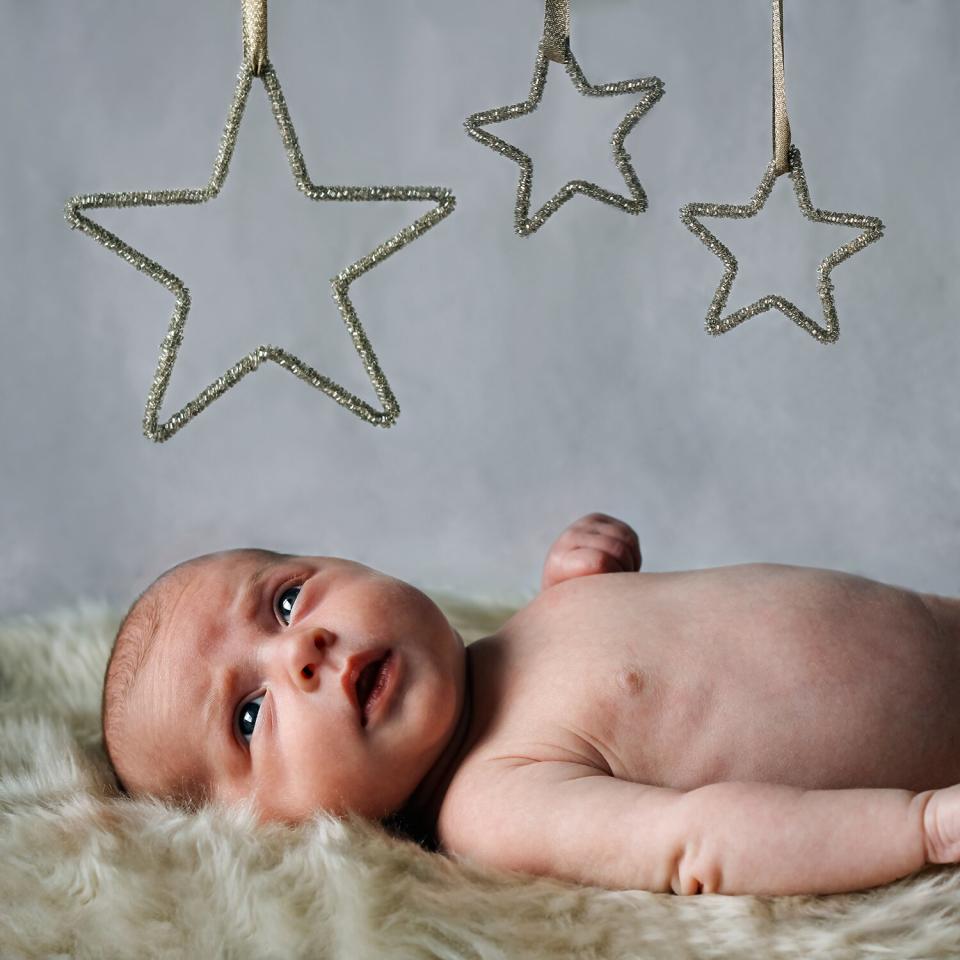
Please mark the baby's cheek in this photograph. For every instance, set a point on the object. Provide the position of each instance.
(291, 802)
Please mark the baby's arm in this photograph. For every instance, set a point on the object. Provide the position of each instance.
(596, 543)
(772, 839)
(576, 823)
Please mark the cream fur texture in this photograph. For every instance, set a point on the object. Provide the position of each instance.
(87, 873)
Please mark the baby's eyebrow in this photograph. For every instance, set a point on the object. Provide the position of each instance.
(251, 593)
(216, 705)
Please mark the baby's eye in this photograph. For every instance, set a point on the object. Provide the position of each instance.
(285, 602)
(248, 717)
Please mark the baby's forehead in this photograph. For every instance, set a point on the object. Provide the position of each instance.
(222, 567)
(189, 594)
(237, 560)
(174, 629)
(190, 598)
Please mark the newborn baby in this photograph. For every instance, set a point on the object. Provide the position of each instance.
(756, 729)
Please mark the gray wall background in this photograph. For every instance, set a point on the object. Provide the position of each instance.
(538, 379)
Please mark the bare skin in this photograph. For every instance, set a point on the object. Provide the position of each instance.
(750, 729)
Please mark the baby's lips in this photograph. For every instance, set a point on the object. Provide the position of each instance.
(351, 673)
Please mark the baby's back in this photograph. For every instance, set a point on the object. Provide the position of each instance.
(750, 673)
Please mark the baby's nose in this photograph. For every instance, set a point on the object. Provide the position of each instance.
(305, 653)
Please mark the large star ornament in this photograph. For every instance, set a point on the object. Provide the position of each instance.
(872, 228)
(387, 414)
(636, 202)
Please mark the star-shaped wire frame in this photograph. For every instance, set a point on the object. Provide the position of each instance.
(387, 415)
(653, 89)
(872, 230)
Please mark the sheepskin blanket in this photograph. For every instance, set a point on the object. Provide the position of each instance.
(87, 873)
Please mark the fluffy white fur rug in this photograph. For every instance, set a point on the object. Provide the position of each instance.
(86, 873)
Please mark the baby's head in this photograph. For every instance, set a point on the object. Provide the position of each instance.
(248, 675)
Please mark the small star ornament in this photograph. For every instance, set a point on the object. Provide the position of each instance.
(443, 200)
(652, 89)
(786, 159)
(716, 323)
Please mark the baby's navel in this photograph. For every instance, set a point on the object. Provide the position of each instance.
(630, 679)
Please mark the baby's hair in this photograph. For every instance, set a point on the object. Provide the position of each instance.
(133, 642)
(131, 647)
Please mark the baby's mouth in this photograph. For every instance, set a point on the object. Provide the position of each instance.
(370, 683)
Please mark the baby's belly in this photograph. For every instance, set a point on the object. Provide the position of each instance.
(765, 673)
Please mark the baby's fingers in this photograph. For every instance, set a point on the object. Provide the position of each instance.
(941, 826)
(593, 544)
(622, 549)
(579, 562)
(599, 524)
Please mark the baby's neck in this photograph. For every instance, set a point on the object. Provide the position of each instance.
(418, 818)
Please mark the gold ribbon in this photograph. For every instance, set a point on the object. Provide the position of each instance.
(556, 31)
(781, 124)
(255, 34)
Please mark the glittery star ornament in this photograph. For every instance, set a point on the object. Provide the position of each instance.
(636, 202)
(387, 414)
(716, 324)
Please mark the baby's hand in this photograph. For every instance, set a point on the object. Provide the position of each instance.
(596, 543)
(941, 826)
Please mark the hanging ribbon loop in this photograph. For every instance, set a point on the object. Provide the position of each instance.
(255, 34)
(556, 31)
(781, 123)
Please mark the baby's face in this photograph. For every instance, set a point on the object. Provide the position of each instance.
(251, 690)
